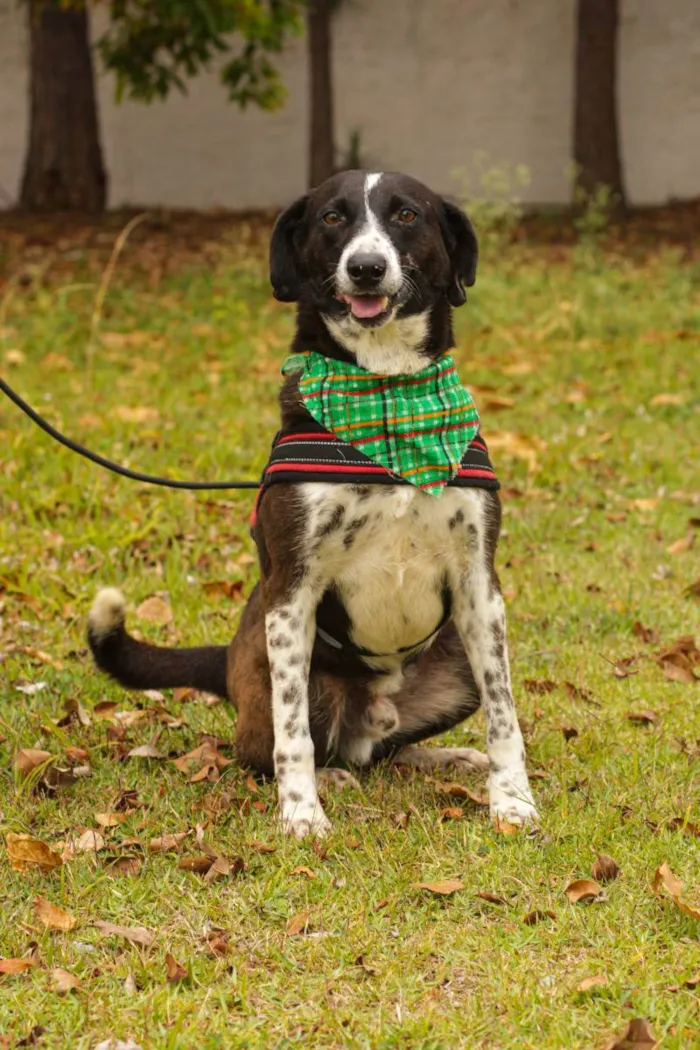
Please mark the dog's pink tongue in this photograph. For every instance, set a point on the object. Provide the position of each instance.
(366, 305)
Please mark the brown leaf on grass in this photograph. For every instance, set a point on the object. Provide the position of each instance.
(538, 915)
(570, 732)
(105, 710)
(364, 965)
(222, 866)
(33, 1036)
(129, 866)
(443, 887)
(637, 1036)
(63, 981)
(455, 790)
(646, 717)
(135, 413)
(90, 841)
(539, 686)
(109, 820)
(164, 843)
(605, 868)
(666, 880)
(174, 971)
(200, 864)
(53, 916)
(451, 813)
(685, 543)
(693, 589)
(577, 692)
(503, 827)
(303, 870)
(203, 763)
(28, 759)
(230, 589)
(681, 824)
(137, 935)
(12, 966)
(27, 852)
(184, 694)
(667, 399)
(145, 751)
(649, 635)
(678, 660)
(75, 756)
(492, 898)
(583, 890)
(216, 941)
(624, 667)
(262, 847)
(298, 924)
(592, 982)
(155, 610)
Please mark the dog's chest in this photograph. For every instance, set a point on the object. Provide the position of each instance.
(390, 552)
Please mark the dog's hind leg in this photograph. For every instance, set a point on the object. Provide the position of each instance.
(431, 759)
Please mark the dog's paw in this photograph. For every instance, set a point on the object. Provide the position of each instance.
(381, 718)
(336, 778)
(468, 758)
(303, 819)
(511, 801)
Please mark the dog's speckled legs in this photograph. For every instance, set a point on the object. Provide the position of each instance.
(290, 629)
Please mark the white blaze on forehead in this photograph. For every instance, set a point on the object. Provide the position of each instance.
(371, 238)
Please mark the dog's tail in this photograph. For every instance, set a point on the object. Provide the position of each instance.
(140, 665)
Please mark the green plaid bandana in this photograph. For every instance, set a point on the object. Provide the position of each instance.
(417, 426)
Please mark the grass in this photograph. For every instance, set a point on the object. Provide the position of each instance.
(599, 474)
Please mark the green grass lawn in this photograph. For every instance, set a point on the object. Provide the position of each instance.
(585, 369)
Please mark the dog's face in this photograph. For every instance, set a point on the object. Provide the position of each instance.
(368, 249)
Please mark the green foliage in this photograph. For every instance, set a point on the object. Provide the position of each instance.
(491, 196)
(154, 46)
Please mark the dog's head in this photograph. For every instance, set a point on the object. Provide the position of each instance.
(377, 257)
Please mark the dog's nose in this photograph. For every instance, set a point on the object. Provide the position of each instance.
(366, 268)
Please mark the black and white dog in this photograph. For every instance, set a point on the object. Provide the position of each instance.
(375, 262)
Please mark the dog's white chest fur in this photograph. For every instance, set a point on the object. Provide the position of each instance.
(388, 552)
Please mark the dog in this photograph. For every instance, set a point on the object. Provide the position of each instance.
(378, 620)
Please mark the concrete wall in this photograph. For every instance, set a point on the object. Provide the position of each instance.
(429, 84)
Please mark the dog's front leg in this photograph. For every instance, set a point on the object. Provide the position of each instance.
(290, 627)
(479, 614)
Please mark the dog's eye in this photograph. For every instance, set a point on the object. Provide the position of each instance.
(332, 218)
(407, 215)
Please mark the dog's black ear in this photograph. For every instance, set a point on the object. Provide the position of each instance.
(285, 264)
(463, 250)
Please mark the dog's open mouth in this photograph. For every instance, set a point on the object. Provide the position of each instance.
(367, 308)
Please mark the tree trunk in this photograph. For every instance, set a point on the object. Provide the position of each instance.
(596, 140)
(63, 169)
(321, 141)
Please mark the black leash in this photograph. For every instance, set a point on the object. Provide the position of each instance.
(135, 475)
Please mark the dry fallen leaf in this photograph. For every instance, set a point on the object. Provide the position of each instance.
(174, 971)
(155, 610)
(203, 763)
(164, 843)
(262, 847)
(538, 915)
(443, 887)
(224, 588)
(592, 982)
(109, 820)
(217, 941)
(302, 870)
(637, 1036)
(64, 981)
(123, 866)
(539, 686)
(27, 852)
(678, 660)
(364, 965)
(11, 966)
(451, 813)
(455, 790)
(649, 635)
(503, 827)
(569, 732)
(492, 898)
(665, 879)
(144, 751)
(53, 916)
(604, 868)
(28, 759)
(297, 924)
(583, 890)
(134, 413)
(133, 934)
(646, 717)
(105, 710)
(685, 543)
(200, 864)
